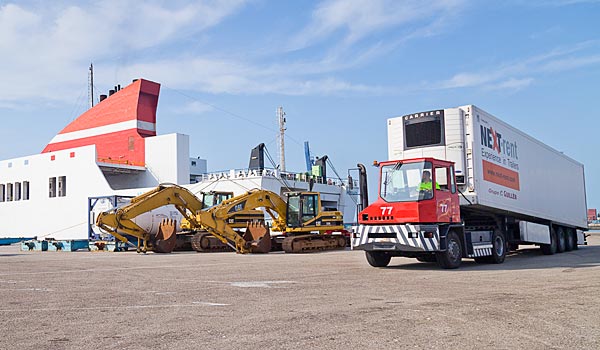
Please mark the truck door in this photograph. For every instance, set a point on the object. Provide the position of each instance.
(446, 195)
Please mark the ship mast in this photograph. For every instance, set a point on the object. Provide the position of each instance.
(91, 86)
(281, 120)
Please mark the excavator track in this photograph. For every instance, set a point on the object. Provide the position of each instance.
(204, 242)
(313, 242)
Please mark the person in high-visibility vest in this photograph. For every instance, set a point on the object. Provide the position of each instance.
(426, 184)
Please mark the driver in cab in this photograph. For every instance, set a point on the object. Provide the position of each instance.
(426, 186)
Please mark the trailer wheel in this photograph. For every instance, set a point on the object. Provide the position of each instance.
(575, 246)
(378, 259)
(569, 240)
(550, 249)
(452, 256)
(498, 248)
(561, 241)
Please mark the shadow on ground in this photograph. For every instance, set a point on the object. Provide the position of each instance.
(528, 258)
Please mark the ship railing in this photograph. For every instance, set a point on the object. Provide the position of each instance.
(267, 172)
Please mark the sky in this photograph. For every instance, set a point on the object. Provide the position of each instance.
(339, 68)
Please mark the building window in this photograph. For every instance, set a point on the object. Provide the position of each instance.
(25, 190)
(2, 189)
(17, 191)
(62, 186)
(52, 187)
(9, 192)
(193, 163)
(26, 162)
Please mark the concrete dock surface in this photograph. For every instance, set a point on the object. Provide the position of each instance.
(330, 300)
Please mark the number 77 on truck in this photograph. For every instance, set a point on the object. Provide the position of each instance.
(495, 188)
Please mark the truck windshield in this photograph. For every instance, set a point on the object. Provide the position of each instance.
(405, 182)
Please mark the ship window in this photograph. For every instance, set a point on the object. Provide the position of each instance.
(193, 163)
(424, 131)
(17, 191)
(62, 186)
(9, 192)
(2, 189)
(25, 190)
(52, 187)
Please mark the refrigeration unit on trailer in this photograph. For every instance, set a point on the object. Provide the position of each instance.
(460, 183)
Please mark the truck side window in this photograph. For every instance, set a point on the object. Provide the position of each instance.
(452, 182)
(441, 179)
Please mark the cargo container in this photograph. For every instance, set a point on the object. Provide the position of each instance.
(461, 183)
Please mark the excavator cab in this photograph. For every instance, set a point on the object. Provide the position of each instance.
(212, 198)
(302, 208)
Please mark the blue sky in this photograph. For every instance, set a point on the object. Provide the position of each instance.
(339, 68)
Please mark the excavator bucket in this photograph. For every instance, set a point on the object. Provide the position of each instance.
(166, 238)
(258, 237)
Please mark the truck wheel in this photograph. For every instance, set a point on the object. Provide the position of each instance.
(569, 240)
(550, 249)
(378, 259)
(452, 257)
(560, 242)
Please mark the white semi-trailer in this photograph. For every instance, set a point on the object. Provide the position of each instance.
(460, 183)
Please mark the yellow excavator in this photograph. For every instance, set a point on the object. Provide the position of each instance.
(301, 218)
(202, 241)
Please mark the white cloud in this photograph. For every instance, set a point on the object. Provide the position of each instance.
(360, 18)
(46, 50)
(193, 108)
(510, 84)
(218, 75)
(516, 75)
(559, 3)
(570, 63)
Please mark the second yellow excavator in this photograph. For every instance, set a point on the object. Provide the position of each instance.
(301, 218)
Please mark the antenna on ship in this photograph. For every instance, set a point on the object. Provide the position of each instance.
(281, 119)
(91, 86)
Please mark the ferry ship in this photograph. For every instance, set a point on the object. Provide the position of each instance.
(112, 152)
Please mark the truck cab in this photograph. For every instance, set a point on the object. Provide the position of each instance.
(417, 214)
(415, 191)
